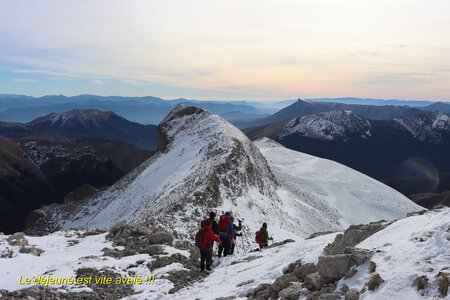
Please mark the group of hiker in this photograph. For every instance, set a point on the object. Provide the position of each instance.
(224, 232)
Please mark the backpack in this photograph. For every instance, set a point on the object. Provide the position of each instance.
(200, 238)
(259, 237)
(222, 226)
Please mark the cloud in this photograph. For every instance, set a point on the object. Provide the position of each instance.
(97, 81)
(55, 74)
(24, 80)
(406, 78)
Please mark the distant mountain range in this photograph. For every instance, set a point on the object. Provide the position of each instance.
(144, 110)
(88, 123)
(244, 114)
(306, 107)
(410, 153)
(377, 102)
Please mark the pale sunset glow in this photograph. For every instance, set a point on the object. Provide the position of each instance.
(255, 50)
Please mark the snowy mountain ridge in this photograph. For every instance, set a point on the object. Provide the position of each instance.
(431, 127)
(339, 125)
(204, 163)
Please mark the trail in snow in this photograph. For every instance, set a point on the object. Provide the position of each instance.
(239, 274)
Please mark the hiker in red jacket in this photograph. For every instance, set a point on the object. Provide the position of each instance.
(204, 240)
(262, 237)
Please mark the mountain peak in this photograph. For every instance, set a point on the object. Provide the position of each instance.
(340, 125)
(74, 117)
(305, 101)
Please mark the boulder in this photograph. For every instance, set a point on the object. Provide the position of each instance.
(374, 282)
(167, 260)
(291, 292)
(17, 239)
(283, 282)
(292, 266)
(324, 290)
(112, 252)
(358, 256)
(313, 282)
(262, 291)
(330, 296)
(304, 270)
(443, 284)
(420, 282)
(153, 249)
(117, 228)
(352, 294)
(334, 267)
(161, 237)
(351, 273)
(86, 272)
(90, 232)
(31, 250)
(372, 267)
(138, 238)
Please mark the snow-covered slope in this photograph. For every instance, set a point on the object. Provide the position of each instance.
(205, 163)
(338, 193)
(333, 125)
(431, 127)
(409, 248)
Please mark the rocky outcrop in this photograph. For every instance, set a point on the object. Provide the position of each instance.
(318, 281)
(137, 238)
(353, 236)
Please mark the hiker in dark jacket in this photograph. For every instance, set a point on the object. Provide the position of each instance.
(212, 218)
(236, 234)
(223, 227)
(262, 237)
(205, 239)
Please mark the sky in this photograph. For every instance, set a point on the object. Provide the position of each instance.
(224, 50)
